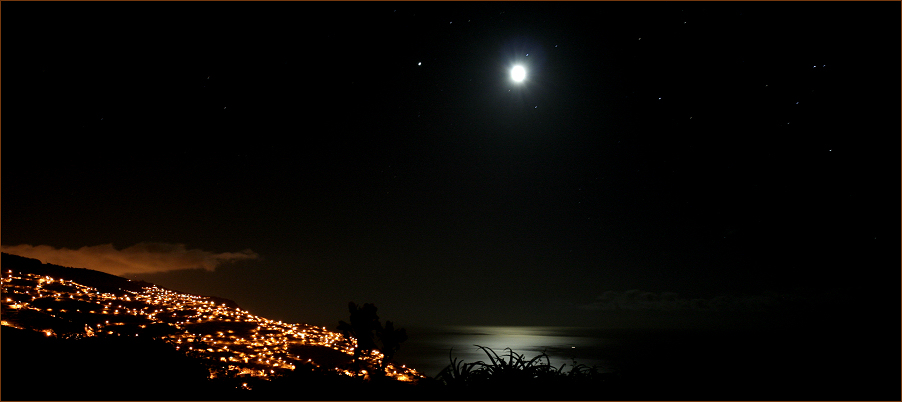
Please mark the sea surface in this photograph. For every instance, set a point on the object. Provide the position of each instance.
(747, 364)
(429, 350)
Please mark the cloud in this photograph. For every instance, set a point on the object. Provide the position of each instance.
(635, 300)
(138, 259)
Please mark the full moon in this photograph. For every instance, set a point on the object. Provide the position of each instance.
(518, 73)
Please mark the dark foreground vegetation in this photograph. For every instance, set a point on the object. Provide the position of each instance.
(513, 376)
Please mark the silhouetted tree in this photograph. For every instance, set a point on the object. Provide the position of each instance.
(363, 327)
(390, 340)
(369, 333)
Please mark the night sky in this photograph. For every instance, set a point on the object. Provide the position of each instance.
(661, 163)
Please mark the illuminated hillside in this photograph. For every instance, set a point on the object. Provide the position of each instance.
(232, 342)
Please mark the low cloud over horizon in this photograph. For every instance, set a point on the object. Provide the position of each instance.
(141, 258)
(638, 300)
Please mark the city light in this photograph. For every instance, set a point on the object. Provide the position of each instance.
(263, 350)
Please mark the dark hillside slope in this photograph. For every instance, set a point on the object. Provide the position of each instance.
(110, 368)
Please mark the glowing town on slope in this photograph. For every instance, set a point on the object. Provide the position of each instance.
(239, 342)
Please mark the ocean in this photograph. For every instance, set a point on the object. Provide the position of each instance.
(429, 350)
(761, 364)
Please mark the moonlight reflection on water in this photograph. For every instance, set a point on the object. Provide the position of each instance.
(428, 349)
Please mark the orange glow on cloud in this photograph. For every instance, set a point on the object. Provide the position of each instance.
(137, 259)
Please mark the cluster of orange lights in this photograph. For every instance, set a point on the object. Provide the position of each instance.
(241, 343)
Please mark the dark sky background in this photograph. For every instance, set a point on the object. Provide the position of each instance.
(661, 160)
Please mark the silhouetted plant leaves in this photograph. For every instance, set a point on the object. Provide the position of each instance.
(514, 370)
(457, 373)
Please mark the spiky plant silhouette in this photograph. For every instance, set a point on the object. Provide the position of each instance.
(514, 373)
(458, 373)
